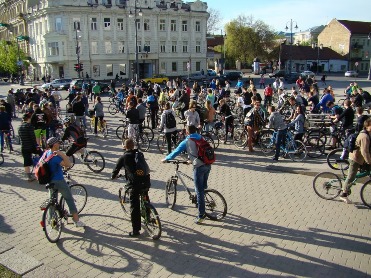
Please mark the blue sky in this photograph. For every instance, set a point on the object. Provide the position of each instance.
(307, 14)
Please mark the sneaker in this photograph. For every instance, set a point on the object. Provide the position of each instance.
(345, 199)
(134, 234)
(79, 224)
(199, 219)
(275, 158)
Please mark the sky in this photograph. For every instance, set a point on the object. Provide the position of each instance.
(279, 13)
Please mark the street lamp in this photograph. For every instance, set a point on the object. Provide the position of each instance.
(77, 30)
(287, 28)
(136, 39)
(369, 69)
(315, 45)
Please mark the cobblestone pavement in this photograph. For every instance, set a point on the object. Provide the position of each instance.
(276, 225)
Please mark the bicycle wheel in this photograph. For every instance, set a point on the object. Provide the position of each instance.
(152, 221)
(239, 138)
(120, 131)
(149, 132)
(215, 138)
(366, 194)
(162, 144)
(1, 158)
(112, 109)
(95, 161)
(334, 161)
(52, 223)
(124, 200)
(104, 129)
(170, 193)
(297, 150)
(143, 142)
(267, 143)
(315, 147)
(215, 205)
(327, 185)
(80, 197)
(209, 140)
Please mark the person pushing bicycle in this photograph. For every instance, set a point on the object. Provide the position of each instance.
(201, 170)
(136, 184)
(74, 132)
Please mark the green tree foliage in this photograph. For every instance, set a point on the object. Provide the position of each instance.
(9, 57)
(248, 39)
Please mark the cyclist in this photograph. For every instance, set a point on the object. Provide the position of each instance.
(133, 115)
(277, 122)
(5, 128)
(201, 170)
(142, 113)
(358, 157)
(345, 116)
(135, 183)
(75, 133)
(254, 120)
(298, 122)
(56, 163)
(192, 116)
(38, 120)
(131, 98)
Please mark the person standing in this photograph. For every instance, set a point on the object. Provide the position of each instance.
(357, 158)
(96, 91)
(78, 109)
(268, 95)
(142, 113)
(133, 115)
(127, 161)
(5, 128)
(170, 129)
(59, 160)
(38, 120)
(201, 170)
(152, 103)
(277, 122)
(262, 82)
(99, 114)
(11, 100)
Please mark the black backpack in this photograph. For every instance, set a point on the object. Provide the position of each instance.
(170, 121)
(352, 141)
(141, 176)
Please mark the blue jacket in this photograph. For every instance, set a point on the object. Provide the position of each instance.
(326, 98)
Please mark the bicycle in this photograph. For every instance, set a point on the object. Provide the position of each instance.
(92, 159)
(215, 204)
(8, 144)
(55, 213)
(122, 129)
(1, 158)
(295, 149)
(150, 217)
(334, 162)
(328, 186)
(141, 139)
(115, 107)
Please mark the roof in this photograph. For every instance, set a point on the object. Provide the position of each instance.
(356, 27)
(308, 53)
(214, 41)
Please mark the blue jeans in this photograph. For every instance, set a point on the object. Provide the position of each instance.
(201, 175)
(4, 133)
(64, 189)
(280, 139)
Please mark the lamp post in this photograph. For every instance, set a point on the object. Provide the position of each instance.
(369, 68)
(290, 51)
(136, 39)
(77, 30)
(319, 47)
(224, 37)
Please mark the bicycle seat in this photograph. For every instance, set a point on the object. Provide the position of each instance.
(49, 186)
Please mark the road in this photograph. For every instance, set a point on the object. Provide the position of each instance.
(275, 226)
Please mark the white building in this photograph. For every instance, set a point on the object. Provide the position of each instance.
(101, 33)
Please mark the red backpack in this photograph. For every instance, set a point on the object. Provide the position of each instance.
(42, 171)
(204, 151)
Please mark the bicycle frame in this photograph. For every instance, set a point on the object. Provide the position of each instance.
(178, 175)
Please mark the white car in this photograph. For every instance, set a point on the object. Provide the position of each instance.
(307, 73)
(351, 73)
(56, 83)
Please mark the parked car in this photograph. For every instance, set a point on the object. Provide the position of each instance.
(211, 72)
(292, 77)
(104, 87)
(57, 83)
(196, 76)
(307, 73)
(233, 75)
(157, 78)
(351, 73)
(277, 73)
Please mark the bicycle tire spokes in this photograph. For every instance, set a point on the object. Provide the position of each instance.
(215, 205)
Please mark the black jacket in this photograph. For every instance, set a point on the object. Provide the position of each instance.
(78, 108)
(127, 161)
(133, 116)
(26, 133)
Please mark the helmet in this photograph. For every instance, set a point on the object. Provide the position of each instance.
(66, 120)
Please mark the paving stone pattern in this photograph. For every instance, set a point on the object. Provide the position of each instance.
(275, 226)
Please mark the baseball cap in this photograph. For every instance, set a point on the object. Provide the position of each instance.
(53, 140)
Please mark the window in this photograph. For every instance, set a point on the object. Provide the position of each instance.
(198, 26)
(93, 24)
(58, 24)
(173, 47)
(162, 25)
(185, 46)
(76, 24)
(185, 66)
(163, 66)
(147, 46)
(121, 47)
(53, 49)
(107, 23)
(173, 66)
(122, 69)
(96, 70)
(108, 47)
(173, 25)
(198, 66)
(139, 49)
(120, 24)
(162, 47)
(138, 24)
(109, 70)
(184, 26)
(198, 47)
(94, 47)
(146, 25)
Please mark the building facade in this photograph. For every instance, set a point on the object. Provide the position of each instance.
(103, 35)
(350, 39)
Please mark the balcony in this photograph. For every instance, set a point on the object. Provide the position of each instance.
(93, 3)
(121, 3)
(107, 3)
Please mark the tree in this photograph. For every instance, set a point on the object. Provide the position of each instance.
(248, 39)
(213, 23)
(9, 57)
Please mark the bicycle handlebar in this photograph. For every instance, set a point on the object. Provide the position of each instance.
(176, 161)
